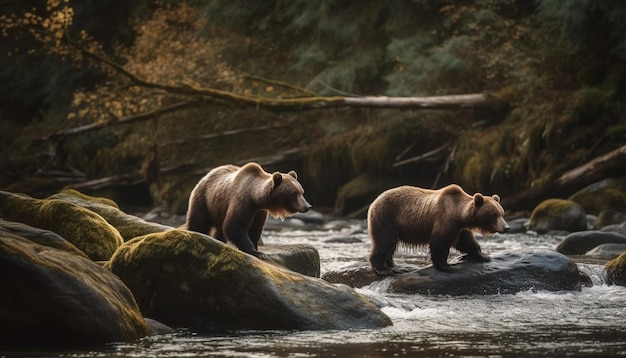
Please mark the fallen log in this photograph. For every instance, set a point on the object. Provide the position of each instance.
(607, 165)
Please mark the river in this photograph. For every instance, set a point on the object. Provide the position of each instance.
(591, 322)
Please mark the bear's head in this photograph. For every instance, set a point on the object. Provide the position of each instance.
(286, 196)
(488, 215)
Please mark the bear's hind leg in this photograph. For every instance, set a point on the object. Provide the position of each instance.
(467, 244)
(439, 251)
(383, 247)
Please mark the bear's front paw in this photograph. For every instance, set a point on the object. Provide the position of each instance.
(384, 272)
(444, 268)
(260, 255)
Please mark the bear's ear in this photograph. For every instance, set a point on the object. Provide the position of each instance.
(277, 178)
(478, 199)
(496, 197)
(293, 174)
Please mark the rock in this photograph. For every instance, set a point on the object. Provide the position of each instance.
(359, 193)
(616, 271)
(608, 217)
(606, 251)
(508, 272)
(129, 226)
(356, 276)
(39, 236)
(517, 226)
(579, 243)
(52, 297)
(85, 229)
(618, 228)
(302, 258)
(607, 194)
(187, 279)
(558, 214)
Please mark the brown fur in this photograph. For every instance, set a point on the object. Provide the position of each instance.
(231, 203)
(439, 218)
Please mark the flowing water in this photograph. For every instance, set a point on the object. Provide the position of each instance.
(591, 322)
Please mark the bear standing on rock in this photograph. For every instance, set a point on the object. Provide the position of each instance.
(440, 218)
(231, 203)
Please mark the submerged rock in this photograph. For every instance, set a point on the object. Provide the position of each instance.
(85, 229)
(52, 297)
(508, 272)
(558, 215)
(579, 243)
(187, 279)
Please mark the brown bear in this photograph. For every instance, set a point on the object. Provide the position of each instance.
(231, 203)
(440, 218)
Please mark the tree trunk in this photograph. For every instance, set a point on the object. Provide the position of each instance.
(607, 165)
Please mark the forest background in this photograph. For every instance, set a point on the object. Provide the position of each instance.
(136, 100)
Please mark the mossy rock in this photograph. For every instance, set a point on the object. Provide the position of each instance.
(85, 229)
(616, 271)
(39, 236)
(129, 226)
(187, 279)
(360, 192)
(558, 214)
(51, 297)
(607, 194)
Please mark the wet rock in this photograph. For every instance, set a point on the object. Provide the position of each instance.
(616, 271)
(608, 217)
(607, 194)
(558, 214)
(85, 229)
(606, 251)
(517, 225)
(187, 279)
(508, 272)
(39, 236)
(52, 297)
(618, 228)
(129, 226)
(579, 243)
(302, 258)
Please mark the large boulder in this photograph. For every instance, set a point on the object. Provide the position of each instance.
(39, 236)
(85, 229)
(579, 243)
(129, 226)
(187, 279)
(616, 271)
(558, 215)
(607, 194)
(53, 297)
(508, 272)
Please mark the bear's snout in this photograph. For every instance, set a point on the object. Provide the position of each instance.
(304, 205)
(502, 226)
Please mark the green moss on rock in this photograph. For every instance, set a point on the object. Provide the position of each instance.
(616, 271)
(187, 279)
(129, 226)
(558, 214)
(51, 297)
(85, 229)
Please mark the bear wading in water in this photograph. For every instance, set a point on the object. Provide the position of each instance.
(441, 218)
(231, 203)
